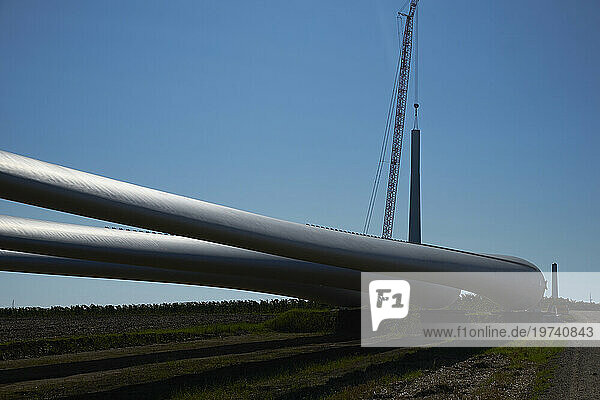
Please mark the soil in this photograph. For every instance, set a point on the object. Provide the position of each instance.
(52, 327)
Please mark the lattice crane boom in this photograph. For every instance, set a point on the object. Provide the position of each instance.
(390, 201)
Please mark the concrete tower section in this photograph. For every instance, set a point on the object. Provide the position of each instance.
(554, 281)
(414, 217)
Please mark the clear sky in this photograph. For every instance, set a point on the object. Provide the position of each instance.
(278, 108)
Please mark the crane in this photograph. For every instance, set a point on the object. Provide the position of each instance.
(403, 75)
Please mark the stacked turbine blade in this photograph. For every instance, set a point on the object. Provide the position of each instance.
(216, 245)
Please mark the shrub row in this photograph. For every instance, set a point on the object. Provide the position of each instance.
(211, 307)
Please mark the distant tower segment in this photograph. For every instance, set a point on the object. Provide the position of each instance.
(554, 281)
(414, 216)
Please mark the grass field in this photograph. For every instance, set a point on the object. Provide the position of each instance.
(282, 350)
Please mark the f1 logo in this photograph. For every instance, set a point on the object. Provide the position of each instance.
(389, 300)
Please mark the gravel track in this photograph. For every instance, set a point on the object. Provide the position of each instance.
(577, 375)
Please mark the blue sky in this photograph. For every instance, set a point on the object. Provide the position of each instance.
(279, 107)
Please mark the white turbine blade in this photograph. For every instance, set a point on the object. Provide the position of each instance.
(35, 182)
(41, 264)
(180, 254)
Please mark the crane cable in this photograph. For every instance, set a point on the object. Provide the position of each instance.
(386, 134)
